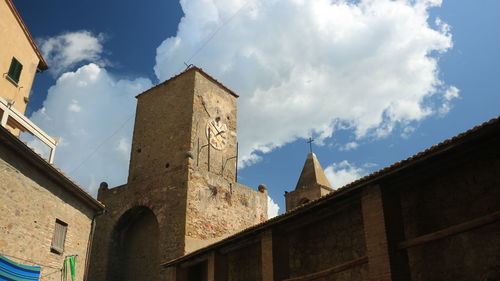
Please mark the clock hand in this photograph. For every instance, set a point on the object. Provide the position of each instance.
(220, 133)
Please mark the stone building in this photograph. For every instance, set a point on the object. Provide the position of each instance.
(181, 192)
(44, 216)
(433, 216)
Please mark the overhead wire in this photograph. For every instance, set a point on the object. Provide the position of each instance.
(195, 53)
(101, 144)
(212, 35)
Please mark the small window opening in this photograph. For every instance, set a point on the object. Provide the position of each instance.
(303, 201)
(15, 70)
(59, 237)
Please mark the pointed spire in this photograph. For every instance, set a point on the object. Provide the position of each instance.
(312, 174)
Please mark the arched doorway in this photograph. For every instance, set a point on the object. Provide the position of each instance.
(134, 247)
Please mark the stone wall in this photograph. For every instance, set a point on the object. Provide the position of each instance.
(333, 240)
(164, 196)
(31, 201)
(460, 192)
(218, 208)
(244, 263)
(301, 196)
(162, 129)
(211, 101)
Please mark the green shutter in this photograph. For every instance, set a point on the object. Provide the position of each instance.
(15, 70)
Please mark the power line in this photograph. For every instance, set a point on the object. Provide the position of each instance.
(209, 38)
(101, 144)
(212, 35)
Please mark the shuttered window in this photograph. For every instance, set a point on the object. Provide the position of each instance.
(59, 237)
(15, 70)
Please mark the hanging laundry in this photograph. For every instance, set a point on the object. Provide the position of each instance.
(10, 270)
(69, 267)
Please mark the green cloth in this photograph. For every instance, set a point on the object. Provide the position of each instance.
(69, 264)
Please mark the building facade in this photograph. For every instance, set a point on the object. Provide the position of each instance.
(182, 192)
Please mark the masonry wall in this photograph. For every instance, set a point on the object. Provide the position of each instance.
(164, 196)
(297, 197)
(462, 191)
(30, 204)
(245, 263)
(333, 240)
(217, 208)
(211, 101)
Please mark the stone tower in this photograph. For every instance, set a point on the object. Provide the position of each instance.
(181, 192)
(312, 184)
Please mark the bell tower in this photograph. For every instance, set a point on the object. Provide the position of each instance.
(312, 184)
(181, 192)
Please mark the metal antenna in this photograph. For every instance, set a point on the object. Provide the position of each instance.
(310, 141)
(188, 65)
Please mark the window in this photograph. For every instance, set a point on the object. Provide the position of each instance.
(15, 70)
(59, 237)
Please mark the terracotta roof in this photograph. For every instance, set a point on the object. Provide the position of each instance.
(42, 65)
(50, 169)
(493, 124)
(191, 68)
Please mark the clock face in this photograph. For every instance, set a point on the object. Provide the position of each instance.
(216, 133)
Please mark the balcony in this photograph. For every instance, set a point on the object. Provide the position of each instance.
(11, 118)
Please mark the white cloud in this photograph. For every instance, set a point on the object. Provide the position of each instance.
(301, 68)
(311, 67)
(65, 51)
(349, 146)
(342, 173)
(87, 109)
(450, 94)
(272, 208)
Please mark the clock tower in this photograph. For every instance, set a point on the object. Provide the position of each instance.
(181, 193)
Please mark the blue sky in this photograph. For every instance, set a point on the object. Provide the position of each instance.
(373, 82)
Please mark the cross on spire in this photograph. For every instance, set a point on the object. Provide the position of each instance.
(310, 141)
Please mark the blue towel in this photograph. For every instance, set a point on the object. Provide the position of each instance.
(13, 271)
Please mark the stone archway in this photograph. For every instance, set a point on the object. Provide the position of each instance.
(134, 247)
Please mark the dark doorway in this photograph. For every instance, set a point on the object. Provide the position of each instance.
(134, 247)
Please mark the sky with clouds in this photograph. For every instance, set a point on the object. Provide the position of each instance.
(372, 81)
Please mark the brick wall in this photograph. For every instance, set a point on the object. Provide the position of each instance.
(29, 206)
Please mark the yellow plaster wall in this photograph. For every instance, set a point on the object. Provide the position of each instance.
(14, 43)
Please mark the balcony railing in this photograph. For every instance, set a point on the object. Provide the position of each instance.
(16, 120)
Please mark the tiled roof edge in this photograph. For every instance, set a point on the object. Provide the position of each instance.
(187, 70)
